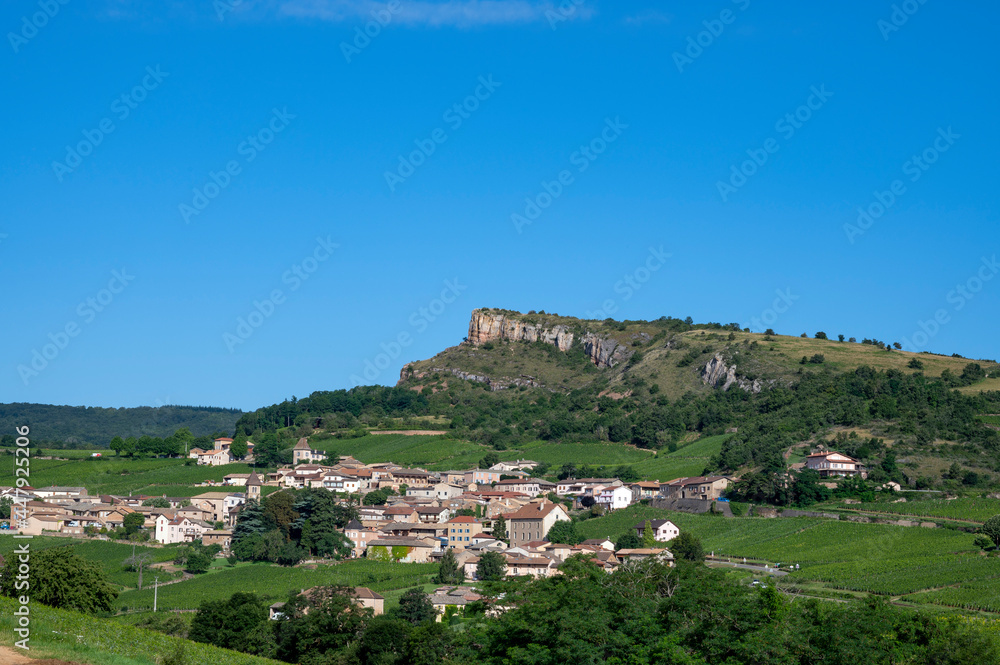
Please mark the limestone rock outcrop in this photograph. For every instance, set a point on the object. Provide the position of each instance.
(488, 327)
(716, 372)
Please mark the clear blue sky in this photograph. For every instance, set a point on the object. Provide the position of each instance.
(309, 129)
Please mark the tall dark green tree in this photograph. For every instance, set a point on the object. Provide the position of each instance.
(59, 578)
(449, 572)
(492, 567)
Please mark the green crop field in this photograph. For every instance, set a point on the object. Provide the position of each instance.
(273, 583)
(82, 638)
(976, 510)
(992, 419)
(874, 558)
(438, 452)
(109, 555)
(595, 453)
(111, 475)
(978, 595)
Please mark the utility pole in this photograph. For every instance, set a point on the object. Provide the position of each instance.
(156, 587)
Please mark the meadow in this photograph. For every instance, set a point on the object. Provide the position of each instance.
(109, 555)
(80, 638)
(274, 583)
(114, 475)
(874, 558)
(976, 510)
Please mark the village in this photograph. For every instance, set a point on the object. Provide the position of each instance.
(406, 515)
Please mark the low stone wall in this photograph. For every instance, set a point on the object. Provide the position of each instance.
(696, 506)
(788, 512)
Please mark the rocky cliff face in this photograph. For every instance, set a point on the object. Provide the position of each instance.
(495, 384)
(716, 372)
(489, 327)
(605, 352)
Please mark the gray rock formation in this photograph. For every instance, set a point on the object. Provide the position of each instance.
(716, 372)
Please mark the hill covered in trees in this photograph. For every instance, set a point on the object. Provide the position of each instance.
(79, 426)
(657, 384)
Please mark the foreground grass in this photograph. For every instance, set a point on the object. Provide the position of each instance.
(86, 639)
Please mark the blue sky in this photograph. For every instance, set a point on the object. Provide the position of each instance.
(171, 168)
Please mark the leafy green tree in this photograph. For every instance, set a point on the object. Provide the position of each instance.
(489, 460)
(117, 444)
(687, 546)
(238, 448)
(627, 474)
(279, 510)
(820, 335)
(564, 532)
(133, 522)
(59, 578)
(491, 567)
(991, 529)
(158, 502)
(318, 627)
(415, 607)
(375, 498)
(449, 572)
(198, 562)
(239, 623)
(384, 641)
(984, 543)
(628, 541)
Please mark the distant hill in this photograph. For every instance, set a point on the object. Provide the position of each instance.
(90, 426)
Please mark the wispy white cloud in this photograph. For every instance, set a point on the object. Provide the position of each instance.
(647, 17)
(453, 13)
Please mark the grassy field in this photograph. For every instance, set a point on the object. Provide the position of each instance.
(437, 452)
(82, 638)
(273, 583)
(976, 510)
(109, 555)
(873, 558)
(111, 475)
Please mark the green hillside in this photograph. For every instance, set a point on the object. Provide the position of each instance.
(81, 426)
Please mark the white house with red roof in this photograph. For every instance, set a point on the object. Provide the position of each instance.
(832, 463)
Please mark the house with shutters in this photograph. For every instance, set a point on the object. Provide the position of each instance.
(834, 464)
(461, 531)
(533, 521)
(706, 488)
(663, 530)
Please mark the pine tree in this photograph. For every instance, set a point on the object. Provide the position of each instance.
(648, 537)
(500, 529)
(449, 572)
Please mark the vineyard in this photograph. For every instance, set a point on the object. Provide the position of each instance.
(110, 475)
(979, 595)
(976, 510)
(274, 583)
(57, 633)
(874, 558)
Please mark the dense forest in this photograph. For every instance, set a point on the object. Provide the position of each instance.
(82, 427)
